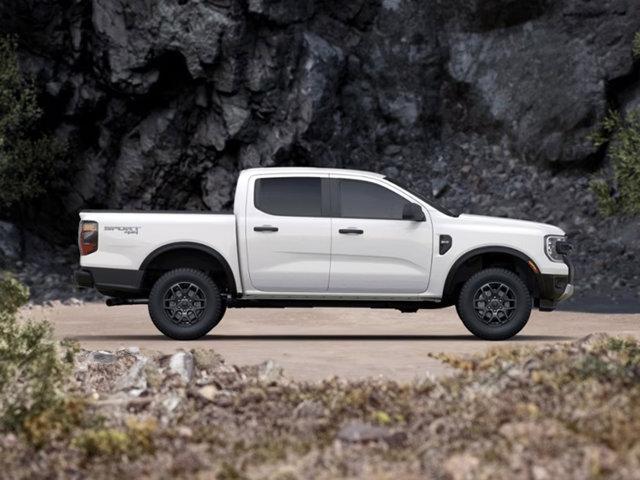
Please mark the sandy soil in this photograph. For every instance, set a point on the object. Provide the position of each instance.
(313, 344)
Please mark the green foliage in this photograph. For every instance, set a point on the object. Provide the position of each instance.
(603, 192)
(18, 103)
(636, 45)
(381, 417)
(31, 164)
(12, 296)
(137, 439)
(57, 422)
(31, 369)
(610, 124)
(622, 193)
(229, 472)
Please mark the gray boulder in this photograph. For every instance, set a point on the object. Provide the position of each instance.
(182, 363)
(356, 431)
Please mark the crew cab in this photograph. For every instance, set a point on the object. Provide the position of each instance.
(319, 237)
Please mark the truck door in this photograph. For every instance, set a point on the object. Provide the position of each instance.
(288, 232)
(373, 249)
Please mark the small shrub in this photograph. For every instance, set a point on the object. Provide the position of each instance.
(636, 45)
(135, 440)
(109, 442)
(30, 169)
(229, 472)
(31, 369)
(56, 423)
(621, 194)
(381, 417)
(12, 296)
(604, 194)
(32, 164)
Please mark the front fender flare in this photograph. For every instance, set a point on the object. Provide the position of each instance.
(448, 284)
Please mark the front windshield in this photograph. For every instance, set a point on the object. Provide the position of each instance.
(425, 199)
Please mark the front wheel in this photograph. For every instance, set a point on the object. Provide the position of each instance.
(494, 304)
(185, 304)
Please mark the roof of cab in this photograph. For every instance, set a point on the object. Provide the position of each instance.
(293, 170)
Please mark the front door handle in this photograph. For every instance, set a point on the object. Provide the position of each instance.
(354, 231)
(265, 228)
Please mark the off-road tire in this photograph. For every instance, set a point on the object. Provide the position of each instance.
(207, 316)
(519, 315)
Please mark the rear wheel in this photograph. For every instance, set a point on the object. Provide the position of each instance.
(494, 304)
(185, 304)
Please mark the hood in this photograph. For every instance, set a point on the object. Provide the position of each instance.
(509, 223)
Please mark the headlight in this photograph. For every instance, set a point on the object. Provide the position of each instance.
(555, 246)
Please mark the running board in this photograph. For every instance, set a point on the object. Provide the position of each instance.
(410, 306)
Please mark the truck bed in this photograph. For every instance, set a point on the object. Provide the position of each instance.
(128, 238)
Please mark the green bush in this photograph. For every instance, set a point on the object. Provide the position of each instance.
(12, 296)
(620, 194)
(603, 192)
(32, 164)
(32, 371)
(136, 440)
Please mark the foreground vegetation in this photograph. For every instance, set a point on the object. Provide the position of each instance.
(568, 410)
(32, 369)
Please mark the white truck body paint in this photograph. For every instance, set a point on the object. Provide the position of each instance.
(392, 257)
(294, 259)
(307, 258)
(121, 249)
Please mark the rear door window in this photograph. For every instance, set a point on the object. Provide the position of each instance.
(289, 196)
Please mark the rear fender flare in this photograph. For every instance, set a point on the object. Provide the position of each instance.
(194, 246)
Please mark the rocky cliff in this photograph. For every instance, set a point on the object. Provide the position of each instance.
(486, 104)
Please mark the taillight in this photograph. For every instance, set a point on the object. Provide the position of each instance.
(88, 237)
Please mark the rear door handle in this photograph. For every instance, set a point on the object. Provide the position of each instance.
(265, 228)
(355, 231)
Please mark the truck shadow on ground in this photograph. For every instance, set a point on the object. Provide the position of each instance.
(599, 304)
(323, 337)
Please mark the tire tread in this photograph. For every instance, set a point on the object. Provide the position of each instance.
(205, 325)
(473, 324)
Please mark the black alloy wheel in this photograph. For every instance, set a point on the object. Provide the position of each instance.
(494, 304)
(185, 304)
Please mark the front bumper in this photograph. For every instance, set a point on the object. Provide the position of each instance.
(568, 293)
(555, 288)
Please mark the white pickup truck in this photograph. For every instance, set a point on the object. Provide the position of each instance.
(315, 237)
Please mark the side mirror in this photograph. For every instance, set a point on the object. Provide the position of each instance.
(413, 211)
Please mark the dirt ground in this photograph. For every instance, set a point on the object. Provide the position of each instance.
(313, 344)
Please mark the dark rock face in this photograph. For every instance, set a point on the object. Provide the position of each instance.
(9, 244)
(166, 101)
(543, 76)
